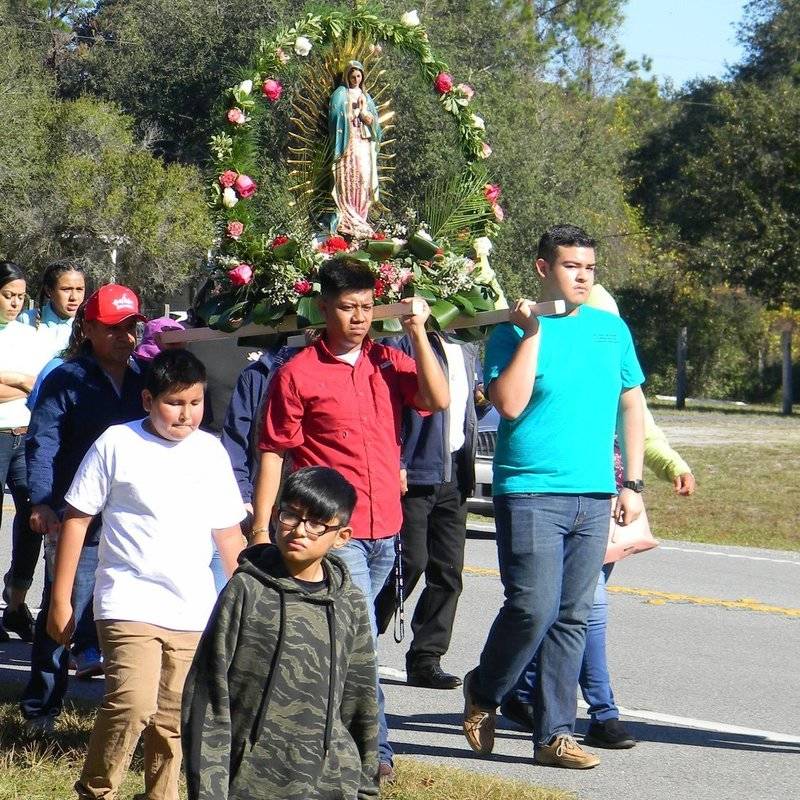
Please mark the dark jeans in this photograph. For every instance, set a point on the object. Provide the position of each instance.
(26, 545)
(47, 685)
(433, 535)
(550, 550)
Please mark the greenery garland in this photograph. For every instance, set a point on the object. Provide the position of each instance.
(440, 252)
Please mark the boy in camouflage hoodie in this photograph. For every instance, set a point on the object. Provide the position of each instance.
(280, 700)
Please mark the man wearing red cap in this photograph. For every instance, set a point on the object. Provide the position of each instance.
(78, 400)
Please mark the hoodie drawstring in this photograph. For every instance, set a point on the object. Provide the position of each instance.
(261, 717)
(329, 612)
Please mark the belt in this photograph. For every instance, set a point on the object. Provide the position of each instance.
(21, 431)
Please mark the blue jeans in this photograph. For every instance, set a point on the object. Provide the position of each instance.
(47, 685)
(550, 550)
(370, 563)
(218, 571)
(595, 682)
(25, 544)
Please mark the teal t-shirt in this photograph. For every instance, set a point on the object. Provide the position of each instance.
(563, 442)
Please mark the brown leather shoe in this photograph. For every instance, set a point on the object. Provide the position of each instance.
(478, 723)
(565, 752)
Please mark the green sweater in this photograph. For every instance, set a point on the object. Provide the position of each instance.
(280, 701)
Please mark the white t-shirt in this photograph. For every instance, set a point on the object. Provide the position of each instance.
(460, 384)
(20, 351)
(159, 501)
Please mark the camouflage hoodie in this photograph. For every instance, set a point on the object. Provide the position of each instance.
(280, 701)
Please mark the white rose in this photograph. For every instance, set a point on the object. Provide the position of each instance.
(478, 122)
(410, 19)
(246, 87)
(302, 46)
(482, 246)
(229, 198)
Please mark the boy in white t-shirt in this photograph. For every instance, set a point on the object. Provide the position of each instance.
(167, 493)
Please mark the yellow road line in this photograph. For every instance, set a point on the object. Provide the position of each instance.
(658, 598)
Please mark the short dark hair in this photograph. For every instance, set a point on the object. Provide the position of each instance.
(336, 277)
(9, 271)
(562, 236)
(322, 492)
(174, 370)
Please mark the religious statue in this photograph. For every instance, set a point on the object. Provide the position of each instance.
(355, 134)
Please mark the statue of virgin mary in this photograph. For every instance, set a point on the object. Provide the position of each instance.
(355, 134)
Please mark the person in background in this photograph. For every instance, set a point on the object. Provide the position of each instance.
(165, 490)
(438, 456)
(21, 358)
(101, 386)
(149, 346)
(62, 291)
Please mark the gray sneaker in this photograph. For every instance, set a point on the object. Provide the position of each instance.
(565, 752)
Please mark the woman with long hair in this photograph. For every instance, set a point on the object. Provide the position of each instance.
(21, 358)
(63, 288)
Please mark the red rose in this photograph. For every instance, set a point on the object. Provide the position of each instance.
(380, 287)
(279, 240)
(272, 90)
(228, 178)
(378, 236)
(491, 191)
(234, 229)
(241, 275)
(336, 244)
(443, 83)
(302, 286)
(245, 186)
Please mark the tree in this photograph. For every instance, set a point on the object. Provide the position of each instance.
(771, 36)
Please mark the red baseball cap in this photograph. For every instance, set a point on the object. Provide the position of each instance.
(112, 304)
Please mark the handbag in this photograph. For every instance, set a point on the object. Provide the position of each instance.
(627, 540)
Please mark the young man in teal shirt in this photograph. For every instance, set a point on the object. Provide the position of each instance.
(559, 384)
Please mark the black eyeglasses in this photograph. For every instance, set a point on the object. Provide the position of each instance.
(314, 528)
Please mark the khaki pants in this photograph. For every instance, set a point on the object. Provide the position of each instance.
(145, 668)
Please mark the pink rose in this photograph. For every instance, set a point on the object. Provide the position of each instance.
(241, 275)
(245, 186)
(486, 151)
(405, 276)
(272, 90)
(236, 116)
(491, 191)
(499, 215)
(443, 83)
(228, 178)
(302, 286)
(466, 90)
(234, 229)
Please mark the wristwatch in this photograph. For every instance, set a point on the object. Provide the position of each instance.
(636, 486)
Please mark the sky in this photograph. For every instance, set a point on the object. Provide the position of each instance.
(685, 38)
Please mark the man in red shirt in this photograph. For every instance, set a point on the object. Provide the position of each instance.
(339, 403)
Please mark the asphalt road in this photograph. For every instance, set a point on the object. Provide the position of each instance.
(704, 647)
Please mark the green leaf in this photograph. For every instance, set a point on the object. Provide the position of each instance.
(464, 304)
(308, 312)
(443, 313)
(390, 325)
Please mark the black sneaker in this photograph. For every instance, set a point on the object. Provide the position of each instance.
(519, 713)
(610, 734)
(19, 621)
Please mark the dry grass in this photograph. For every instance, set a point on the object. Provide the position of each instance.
(45, 768)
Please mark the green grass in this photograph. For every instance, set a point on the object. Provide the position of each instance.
(46, 768)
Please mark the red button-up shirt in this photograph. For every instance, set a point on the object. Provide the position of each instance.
(325, 412)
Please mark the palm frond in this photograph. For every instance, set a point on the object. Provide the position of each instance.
(458, 206)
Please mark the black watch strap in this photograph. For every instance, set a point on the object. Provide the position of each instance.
(637, 486)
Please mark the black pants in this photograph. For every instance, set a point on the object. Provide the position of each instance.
(433, 536)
